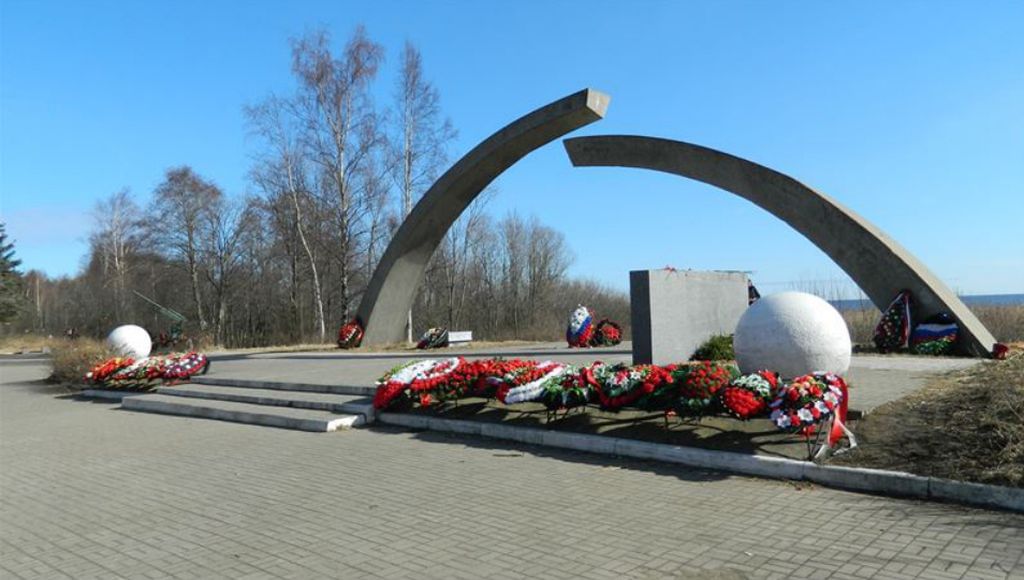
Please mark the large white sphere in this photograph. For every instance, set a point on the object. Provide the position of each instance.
(130, 340)
(793, 333)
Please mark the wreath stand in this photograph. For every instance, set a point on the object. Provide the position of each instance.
(551, 415)
(820, 437)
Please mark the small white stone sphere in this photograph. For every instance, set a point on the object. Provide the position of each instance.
(130, 340)
(792, 333)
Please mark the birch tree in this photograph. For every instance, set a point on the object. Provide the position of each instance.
(282, 172)
(185, 202)
(115, 239)
(424, 134)
(341, 127)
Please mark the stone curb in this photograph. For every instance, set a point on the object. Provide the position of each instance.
(891, 483)
(112, 394)
(280, 386)
(272, 416)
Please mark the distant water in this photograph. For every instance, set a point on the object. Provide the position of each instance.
(973, 300)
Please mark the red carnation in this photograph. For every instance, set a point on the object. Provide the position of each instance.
(743, 403)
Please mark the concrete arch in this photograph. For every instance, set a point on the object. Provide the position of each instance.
(393, 287)
(876, 262)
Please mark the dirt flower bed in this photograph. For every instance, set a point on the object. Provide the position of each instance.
(966, 425)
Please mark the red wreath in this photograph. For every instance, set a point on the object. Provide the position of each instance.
(351, 334)
(606, 333)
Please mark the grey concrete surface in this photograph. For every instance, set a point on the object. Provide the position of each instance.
(285, 417)
(874, 380)
(876, 262)
(674, 312)
(390, 293)
(87, 491)
(892, 483)
(270, 397)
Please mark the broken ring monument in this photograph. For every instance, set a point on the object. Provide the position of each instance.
(877, 263)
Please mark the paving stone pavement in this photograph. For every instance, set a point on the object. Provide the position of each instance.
(89, 491)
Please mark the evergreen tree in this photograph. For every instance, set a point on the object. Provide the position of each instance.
(10, 279)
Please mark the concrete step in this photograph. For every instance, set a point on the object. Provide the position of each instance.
(352, 404)
(366, 391)
(273, 416)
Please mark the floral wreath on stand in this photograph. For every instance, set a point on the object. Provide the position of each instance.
(749, 395)
(433, 338)
(101, 372)
(893, 330)
(581, 327)
(350, 335)
(621, 385)
(186, 366)
(807, 401)
(140, 375)
(532, 384)
(415, 378)
(606, 333)
(491, 375)
(699, 387)
(810, 405)
(146, 373)
(570, 391)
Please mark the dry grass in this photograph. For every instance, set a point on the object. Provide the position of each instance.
(861, 324)
(72, 359)
(22, 343)
(966, 425)
(1006, 323)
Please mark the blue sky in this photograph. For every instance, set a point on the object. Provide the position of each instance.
(910, 113)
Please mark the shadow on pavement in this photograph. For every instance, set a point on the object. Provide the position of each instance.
(513, 450)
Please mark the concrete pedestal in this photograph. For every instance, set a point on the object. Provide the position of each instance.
(674, 312)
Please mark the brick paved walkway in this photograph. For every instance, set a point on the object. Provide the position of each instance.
(87, 491)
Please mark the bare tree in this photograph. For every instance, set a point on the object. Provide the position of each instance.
(424, 134)
(226, 231)
(456, 255)
(274, 270)
(282, 171)
(342, 128)
(547, 259)
(115, 239)
(514, 241)
(185, 200)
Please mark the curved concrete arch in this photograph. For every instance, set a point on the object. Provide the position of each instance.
(393, 287)
(876, 262)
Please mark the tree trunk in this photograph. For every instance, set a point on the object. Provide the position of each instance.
(193, 270)
(317, 297)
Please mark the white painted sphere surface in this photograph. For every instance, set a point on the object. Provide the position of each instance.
(130, 340)
(792, 333)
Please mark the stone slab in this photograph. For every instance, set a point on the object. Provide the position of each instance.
(285, 417)
(111, 394)
(285, 385)
(674, 311)
(271, 397)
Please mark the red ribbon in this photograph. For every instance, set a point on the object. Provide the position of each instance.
(837, 424)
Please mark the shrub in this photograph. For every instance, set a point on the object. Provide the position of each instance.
(718, 347)
(73, 358)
